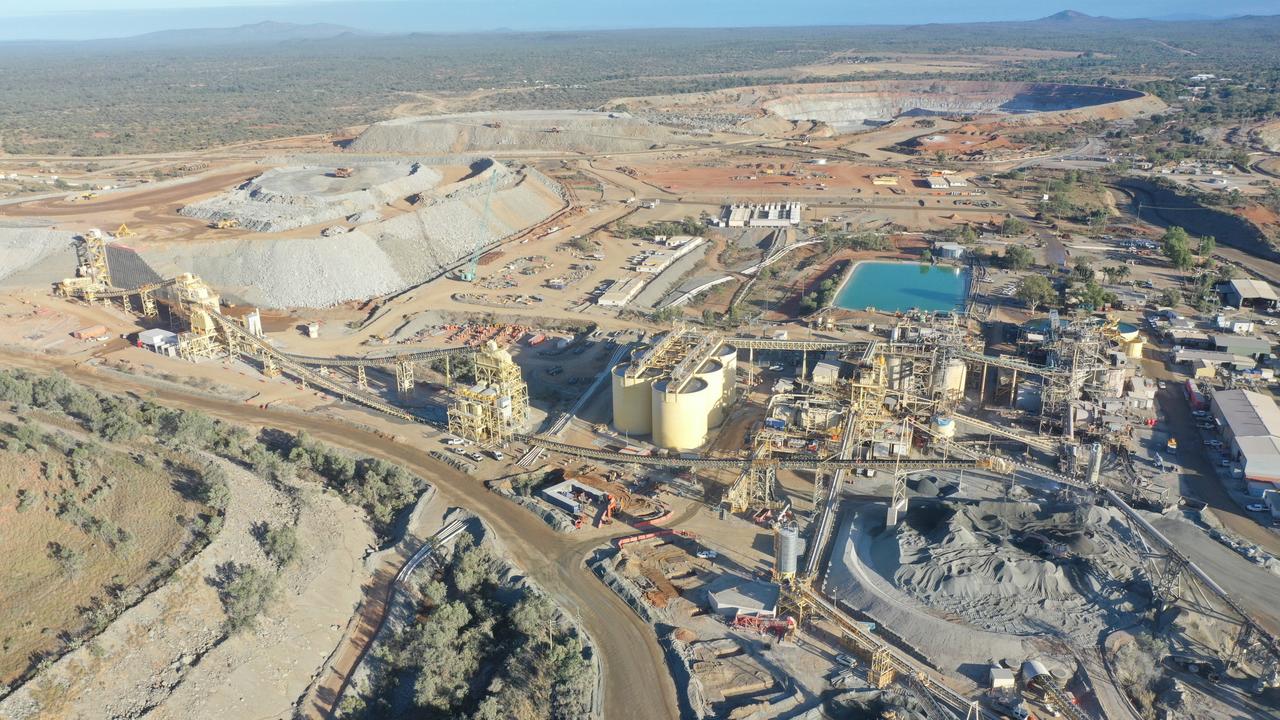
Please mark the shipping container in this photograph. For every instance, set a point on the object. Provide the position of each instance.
(92, 331)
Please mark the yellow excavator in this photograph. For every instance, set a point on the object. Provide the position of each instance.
(226, 224)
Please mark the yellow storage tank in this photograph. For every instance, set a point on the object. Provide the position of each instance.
(713, 373)
(1133, 348)
(728, 356)
(680, 419)
(632, 407)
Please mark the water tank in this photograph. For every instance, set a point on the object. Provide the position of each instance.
(787, 548)
(713, 373)
(944, 427)
(632, 408)
(680, 418)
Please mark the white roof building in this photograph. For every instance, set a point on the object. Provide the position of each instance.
(731, 596)
(1251, 425)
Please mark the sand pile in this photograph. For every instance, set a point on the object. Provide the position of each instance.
(1015, 567)
(533, 130)
(446, 225)
(297, 196)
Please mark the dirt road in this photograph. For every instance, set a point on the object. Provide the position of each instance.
(636, 681)
(133, 200)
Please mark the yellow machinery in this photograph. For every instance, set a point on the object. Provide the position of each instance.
(497, 405)
(123, 231)
(226, 224)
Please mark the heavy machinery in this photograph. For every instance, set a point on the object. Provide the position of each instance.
(226, 224)
(123, 231)
(342, 172)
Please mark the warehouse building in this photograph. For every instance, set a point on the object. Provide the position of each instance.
(1251, 430)
(779, 214)
(620, 292)
(1241, 345)
(1247, 292)
(731, 596)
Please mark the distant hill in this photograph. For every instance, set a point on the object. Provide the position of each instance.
(257, 33)
(1070, 16)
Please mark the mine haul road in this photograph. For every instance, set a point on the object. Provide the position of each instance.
(636, 681)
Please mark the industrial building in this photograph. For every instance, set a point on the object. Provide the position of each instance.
(569, 496)
(731, 596)
(159, 341)
(780, 214)
(676, 389)
(1247, 292)
(1241, 345)
(620, 292)
(1251, 428)
(948, 250)
(496, 406)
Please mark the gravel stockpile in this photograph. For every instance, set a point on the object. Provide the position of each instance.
(1015, 568)
(24, 244)
(379, 257)
(293, 197)
(567, 130)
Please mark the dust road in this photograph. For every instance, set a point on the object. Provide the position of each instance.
(133, 199)
(636, 682)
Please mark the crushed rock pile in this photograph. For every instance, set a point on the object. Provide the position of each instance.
(24, 244)
(292, 197)
(376, 258)
(1017, 568)
(531, 130)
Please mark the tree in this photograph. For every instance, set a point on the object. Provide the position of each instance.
(1095, 296)
(245, 594)
(1017, 257)
(1036, 290)
(926, 255)
(1013, 226)
(1176, 246)
(280, 543)
(1207, 244)
(1171, 297)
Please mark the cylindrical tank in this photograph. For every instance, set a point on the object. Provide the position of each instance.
(632, 407)
(728, 356)
(944, 427)
(953, 376)
(1133, 348)
(713, 373)
(680, 418)
(893, 372)
(787, 548)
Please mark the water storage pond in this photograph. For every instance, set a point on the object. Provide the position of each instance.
(902, 286)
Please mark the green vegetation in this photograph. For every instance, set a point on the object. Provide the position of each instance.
(280, 543)
(1036, 290)
(1013, 226)
(859, 242)
(1017, 257)
(687, 226)
(245, 592)
(482, 649)
(1176, 246)
(820, 298)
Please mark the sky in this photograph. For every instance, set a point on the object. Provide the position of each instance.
(84, 19)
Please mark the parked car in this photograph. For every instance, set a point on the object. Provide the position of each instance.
(455, 441)
(846, 660)
(496, 454)
(1255, 507)
(708, 554)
